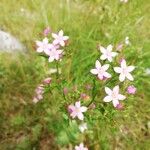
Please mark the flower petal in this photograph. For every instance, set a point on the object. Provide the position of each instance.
(107, 99)
(129, 76)
(94, 71)
(107, 75)
(51, 59)
(65, 38)
(116, 89)
(108, 90)
(103, 57)
(45, 40)
(61, 33)
(97, 64)
(54, 35)
(105, 67)
(117, 69)
(80, 116)
(100, 76)
(115, 103)
(131, 68)
(109, 48)
(114, 54)
(121, 97)
(102, 49)
(83, 109)
(123, 63)
(77, 104)
(121, 77)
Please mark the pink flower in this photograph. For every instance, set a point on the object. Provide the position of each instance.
(38, 93)
(119, 106)
(77, 110)
(107, 53)
(43, 46)
(113, 95)
(100, 71)
(81, 147)
(119, 47)
(59, 38)
(54, 55)
(47, 80)
(65, 90)
(124, 71)
(46, 31)
(131, 89)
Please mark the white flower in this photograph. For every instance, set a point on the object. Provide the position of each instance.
(77, 110)
(59, 38)
(100, 71)
(43, 46)
(147, 71)
(81, 147)
(83, 127)
(107, 53)
(54, 55)
(113, 95)
(124, 71)
(125, 1)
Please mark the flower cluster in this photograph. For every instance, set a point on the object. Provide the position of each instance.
(52, 50)
(124, 72)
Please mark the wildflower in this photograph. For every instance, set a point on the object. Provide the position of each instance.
(47, 80)
(100, 71)
(119, 47)
(125, 1)
(113, 95)
(59, 38)
(107, 53)
(131, 89)
(38, 93)
(81, 147)
(54, 55)
(124, 71)
(77, 110)
(83, 127)
(127, 42)
(46, 31)
(43, 46)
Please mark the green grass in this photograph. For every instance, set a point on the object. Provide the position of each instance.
(46, 126)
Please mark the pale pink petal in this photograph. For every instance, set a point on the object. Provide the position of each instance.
(131, 68)
(121, 97)
(83, 109)
(94, 71)
(80, 116)
(60, 51)
(123, 63)
(114, 54)
(39, 43)
(100, 76)
(51, 59)
(107, 99)
(103, 57)
(109, 59)
(77, 104)
(129, 76)
(121, 77)
(105, 67)
(108, 90)
(102, 49)
(55, 42)
(62, 43)
(115, 103)
(45, 40)
(97, 64)
(54, 35)
(117, 69)
(61, 33)
(39, 50)
(107, 75)
(109, 48)
(65, 38)
(116, 89)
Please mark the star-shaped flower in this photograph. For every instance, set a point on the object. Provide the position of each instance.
(113, 95)
(59, 38)
(77, 110)
(100, 71)
(54, 55)
(124, 71)
(81, 147)
(43, 46)
(107, 53)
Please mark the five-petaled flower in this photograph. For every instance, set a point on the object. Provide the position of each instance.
(77, 110)
(54, 55)
(59, 38)
(113, 95)
(43, 46)
(124, 71)
(131, 89)
(100, 70)
(81, 147)
(107, 53)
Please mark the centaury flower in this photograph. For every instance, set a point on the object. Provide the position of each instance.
(81, 147)
(124, 71)
(107, 53)
(113, 95)
(100, 70)
(77, 110)
(59, 38)
(54, 55)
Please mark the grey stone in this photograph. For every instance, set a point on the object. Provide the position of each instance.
(9, 43)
